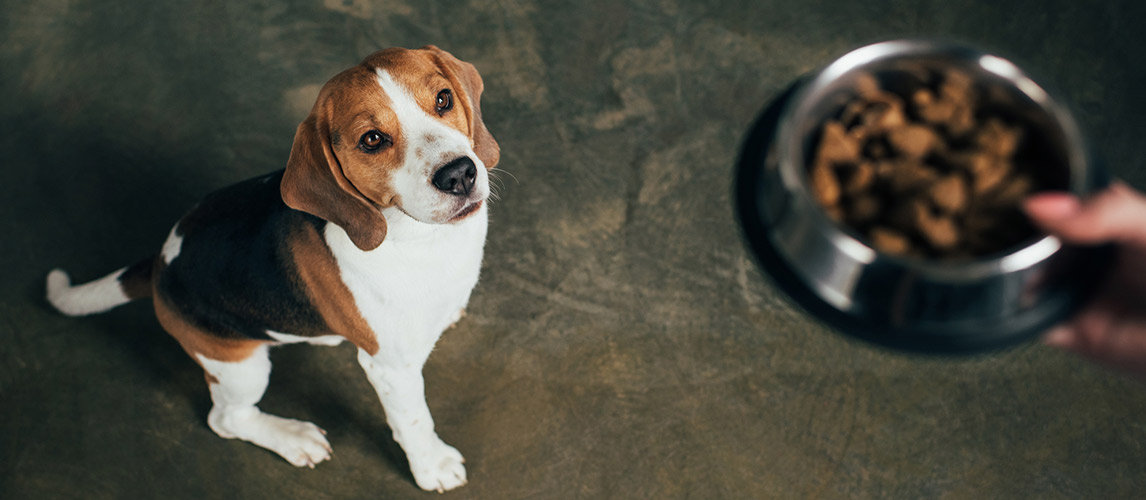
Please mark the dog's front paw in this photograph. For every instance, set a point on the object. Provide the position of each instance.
(438, 468)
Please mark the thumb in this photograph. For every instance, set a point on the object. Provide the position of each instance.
(1117, 214)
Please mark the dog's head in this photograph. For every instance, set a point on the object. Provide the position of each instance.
(403, 129)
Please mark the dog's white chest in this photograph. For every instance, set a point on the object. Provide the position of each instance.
(416, 282)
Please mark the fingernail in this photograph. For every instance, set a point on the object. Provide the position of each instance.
(1051, 206)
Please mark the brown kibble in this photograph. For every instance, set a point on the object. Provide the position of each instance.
(922, 98)
(979, 163)
(889, 241)
(962, 120)
(950, 194)
(913, 141)
(851, 113)
(930, 109)
(938, 230)
(937, 113)
(998, 139)
(923, 163)
(907, 176)
(885, 169)
(837, 146)
(885, 117)
(956, 86)
(1012, 192)
(875, 114)
(863, 176)
(952, 109)
(825, 185)
(867, 86)
(987, 172)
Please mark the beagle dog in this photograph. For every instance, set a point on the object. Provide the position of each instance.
(373, 233)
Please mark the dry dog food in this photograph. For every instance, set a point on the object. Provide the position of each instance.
(932, 169)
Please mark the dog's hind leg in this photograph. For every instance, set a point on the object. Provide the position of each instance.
(236, 387)
(237, 372)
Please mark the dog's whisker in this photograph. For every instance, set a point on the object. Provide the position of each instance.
(496, 183)
(495, 175)
(506, 172)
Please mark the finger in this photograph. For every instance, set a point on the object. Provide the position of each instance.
(1116, 214)
(1046, 208)
(1100, 333)
(1093, 333)
(1061, 337)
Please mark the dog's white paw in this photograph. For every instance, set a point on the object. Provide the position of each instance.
(438, 468)
(303, 444)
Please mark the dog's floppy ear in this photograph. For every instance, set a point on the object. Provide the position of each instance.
(471, 87)
(314, 183)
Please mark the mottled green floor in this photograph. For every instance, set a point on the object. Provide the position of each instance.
(621, 343)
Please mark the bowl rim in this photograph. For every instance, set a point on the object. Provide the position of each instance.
(791, 162)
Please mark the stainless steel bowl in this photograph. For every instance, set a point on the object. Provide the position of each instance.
(913, 304)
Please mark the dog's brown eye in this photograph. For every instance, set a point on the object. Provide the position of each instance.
(445, 101)
(372, 140)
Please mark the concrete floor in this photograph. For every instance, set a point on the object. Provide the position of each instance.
(621, 343)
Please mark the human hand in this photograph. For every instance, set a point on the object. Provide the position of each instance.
(1111, 329)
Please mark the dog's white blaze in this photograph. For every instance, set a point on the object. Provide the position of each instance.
(429, 143)
(172, 246)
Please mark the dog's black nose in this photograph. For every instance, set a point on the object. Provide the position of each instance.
(456, 177)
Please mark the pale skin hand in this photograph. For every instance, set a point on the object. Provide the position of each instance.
(1111, 329)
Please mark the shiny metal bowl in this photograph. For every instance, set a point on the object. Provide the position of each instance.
(913, 304)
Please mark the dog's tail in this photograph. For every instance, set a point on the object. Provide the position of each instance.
(115, 289)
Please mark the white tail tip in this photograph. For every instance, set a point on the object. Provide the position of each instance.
(89, 298)
(57, 282)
